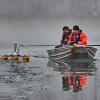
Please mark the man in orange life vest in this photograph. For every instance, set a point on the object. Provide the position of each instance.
(77, 37)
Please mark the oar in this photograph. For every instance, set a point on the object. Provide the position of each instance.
(37, 45)
(48, 45)
(93, 45)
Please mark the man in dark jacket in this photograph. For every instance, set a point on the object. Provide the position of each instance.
(66, 33)
(65, 36)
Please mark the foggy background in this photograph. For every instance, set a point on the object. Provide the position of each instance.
(41, 21)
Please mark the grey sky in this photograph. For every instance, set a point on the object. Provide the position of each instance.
(41, 21)
(49, 8)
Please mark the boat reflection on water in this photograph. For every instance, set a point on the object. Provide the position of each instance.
(82, 66)
(73, 66)
(74, 74)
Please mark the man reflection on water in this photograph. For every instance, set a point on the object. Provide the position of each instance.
(77, 81)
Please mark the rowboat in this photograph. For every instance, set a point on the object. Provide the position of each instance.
(71, 54)
(79, 58)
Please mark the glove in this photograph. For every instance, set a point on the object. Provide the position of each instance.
(72, 43)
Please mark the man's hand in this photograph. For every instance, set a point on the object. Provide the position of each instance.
(79, 42)
(75, 45)
(72, 43)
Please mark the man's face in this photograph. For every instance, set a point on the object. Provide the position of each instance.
(75, 31)
(65, 30)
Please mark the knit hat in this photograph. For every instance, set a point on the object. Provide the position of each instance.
(76, 27)
(65, 27)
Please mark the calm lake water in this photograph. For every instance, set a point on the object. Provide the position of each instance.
(38, 80)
